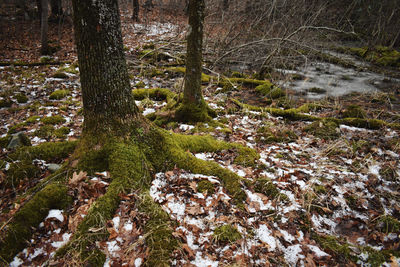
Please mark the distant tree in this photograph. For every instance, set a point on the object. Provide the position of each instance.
(56, 8)
(135, 10)
(193, 107)
(44, 26)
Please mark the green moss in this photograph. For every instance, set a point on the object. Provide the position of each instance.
(152, 72)
(236, 74)
(148, 46)
(252, 83)
(45, 131)
(4, 141)
(181, 70)
(319, 189)
(266, 135)
(354, 111)
(62, 132)
(45, 59)
(19, 171)
(158, 231)
(205, 186)
(59, 94)
(266, 187)
(190, 113)
(140, 84)
(5, 103)
(21, 98)
(323, 129)
(29, 217)
(373, 124)
(388, 224)
(332, 245)
(16, 128)
(56, 119)
(226, 234)
(32, 119)
(269, 90)
(380, 55)
(50, 152)
(60, 75)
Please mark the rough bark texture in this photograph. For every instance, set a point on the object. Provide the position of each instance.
(108, 103)
(44, 27)
(135, 10)
(194, 108)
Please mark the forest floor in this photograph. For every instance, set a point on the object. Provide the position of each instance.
(317, 196)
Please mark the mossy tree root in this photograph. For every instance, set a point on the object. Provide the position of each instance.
(53, 196)
(296, 114)
(131, 164)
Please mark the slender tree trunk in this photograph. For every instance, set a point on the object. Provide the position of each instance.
(135, 10)
(108, 104)
(193, 107)
(44, 27)
(194, 58)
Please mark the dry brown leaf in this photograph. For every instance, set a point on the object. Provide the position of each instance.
(189, 251)
(76, 178)
(393, 262)
(309, 262)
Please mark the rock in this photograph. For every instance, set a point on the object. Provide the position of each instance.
(52, 167)
(18, 140)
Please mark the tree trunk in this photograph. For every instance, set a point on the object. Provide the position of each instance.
(108, 104)
(135, 10)
(56, 8)
(194, 108)
(44, 27)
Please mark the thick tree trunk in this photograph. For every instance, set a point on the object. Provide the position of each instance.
(135, 10)
(44, 27)
(108, 104)
(194, 108)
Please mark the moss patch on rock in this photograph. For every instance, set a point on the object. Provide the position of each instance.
(56, 119)
(268, 134)
(21, 98)
(205, 186)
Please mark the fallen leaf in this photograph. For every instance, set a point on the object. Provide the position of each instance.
(76, 178)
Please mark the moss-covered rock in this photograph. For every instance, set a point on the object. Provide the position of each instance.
(21, 98)
(323, 129)
(226, 234)
(60, 75)
(354, 111)
(181, 71)
(4, 141)
(59, 94)
(316, 90)
(62, 132)
(52, 120)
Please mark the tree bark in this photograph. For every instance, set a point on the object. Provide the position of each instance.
(193, 106)
(108, 104)
(135, 10)
(44, 27)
